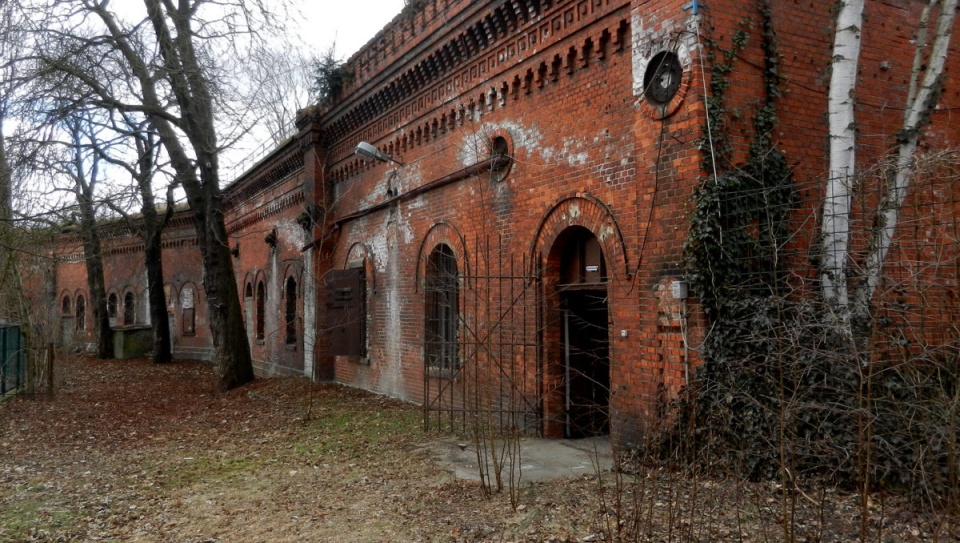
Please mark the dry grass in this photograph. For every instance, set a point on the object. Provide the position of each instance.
(130, 451)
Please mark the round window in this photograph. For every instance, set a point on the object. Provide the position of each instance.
(500, 153)
(661, 81)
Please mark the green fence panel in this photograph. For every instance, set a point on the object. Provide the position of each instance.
(12, 374)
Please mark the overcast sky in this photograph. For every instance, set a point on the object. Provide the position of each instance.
(351, 23)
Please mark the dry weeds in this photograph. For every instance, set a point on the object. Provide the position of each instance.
(131, 451)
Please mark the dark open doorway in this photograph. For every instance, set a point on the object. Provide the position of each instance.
(584, 354)
(586, 362)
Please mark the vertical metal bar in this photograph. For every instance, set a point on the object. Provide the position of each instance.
(515, 378)
(539, 334)
(499, 347)
(566, 367)
(19, 356)
(50, 355)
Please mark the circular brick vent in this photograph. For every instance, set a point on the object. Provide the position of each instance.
(662, 79)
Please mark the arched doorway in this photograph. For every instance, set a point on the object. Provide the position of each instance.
(583, 356)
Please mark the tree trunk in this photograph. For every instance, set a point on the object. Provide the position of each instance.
(224, 312)
(95, 281)
(158, 300)
(843, 162)
(922, 100)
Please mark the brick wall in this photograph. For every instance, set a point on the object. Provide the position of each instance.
(562, 83)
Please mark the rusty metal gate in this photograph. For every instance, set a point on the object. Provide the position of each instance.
(485, 370)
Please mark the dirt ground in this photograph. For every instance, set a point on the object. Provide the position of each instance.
(131, 451)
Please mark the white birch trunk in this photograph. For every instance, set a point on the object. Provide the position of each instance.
(920, 103)
(843, 161)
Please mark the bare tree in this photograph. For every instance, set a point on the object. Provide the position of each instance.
(151, 222)
(83, 168)
(167, 72)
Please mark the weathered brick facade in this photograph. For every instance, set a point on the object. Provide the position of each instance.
(593, 162)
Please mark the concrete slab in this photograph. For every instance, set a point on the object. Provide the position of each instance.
(538, 459)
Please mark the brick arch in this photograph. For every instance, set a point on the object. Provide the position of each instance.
(65, 308)
(248, 281)
(293, 267)
(362, 252)
(448, 234)
(589, 212)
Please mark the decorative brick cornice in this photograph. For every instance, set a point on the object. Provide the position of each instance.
(495, 52)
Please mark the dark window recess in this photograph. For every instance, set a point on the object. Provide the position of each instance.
(66, 306)
(128, 314)
(261, 310)
(112, 306)
(345, 302)
(661, 80)
(189, 321)
(81, 313)
(291, 311)
(500, 153)
(442, 304)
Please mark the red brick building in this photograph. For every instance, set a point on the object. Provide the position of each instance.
(516, 251)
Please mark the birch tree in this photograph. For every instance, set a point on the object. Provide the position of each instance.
(843, 160)
(925, 81)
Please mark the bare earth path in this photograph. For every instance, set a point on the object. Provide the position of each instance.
(131, 451)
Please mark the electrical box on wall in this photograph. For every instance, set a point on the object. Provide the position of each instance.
(679, 290)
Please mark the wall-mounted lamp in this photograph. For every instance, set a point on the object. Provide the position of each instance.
(368, 153)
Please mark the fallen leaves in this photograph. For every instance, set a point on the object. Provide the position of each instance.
(131, 451)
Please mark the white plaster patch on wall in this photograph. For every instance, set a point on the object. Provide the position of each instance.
(290, 232)
(570, 146)
(378, 246)
(659, 36)
(605, 232)
(390, 375)
(639, 50)
(574, 209)
(475, 146)
(379, 191)
(405, 230)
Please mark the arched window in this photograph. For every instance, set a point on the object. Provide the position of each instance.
(112, 304)
(81, 313)
(128, 314)
(66, 306)
(442, 291)
(188, 310)
(291, 311)
(261, 310)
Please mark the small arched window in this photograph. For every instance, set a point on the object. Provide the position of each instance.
(261, 310)
(112, 304)
(66, 305)
(128, 307)
(81, 313)
(188, 310)
(291, 311)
